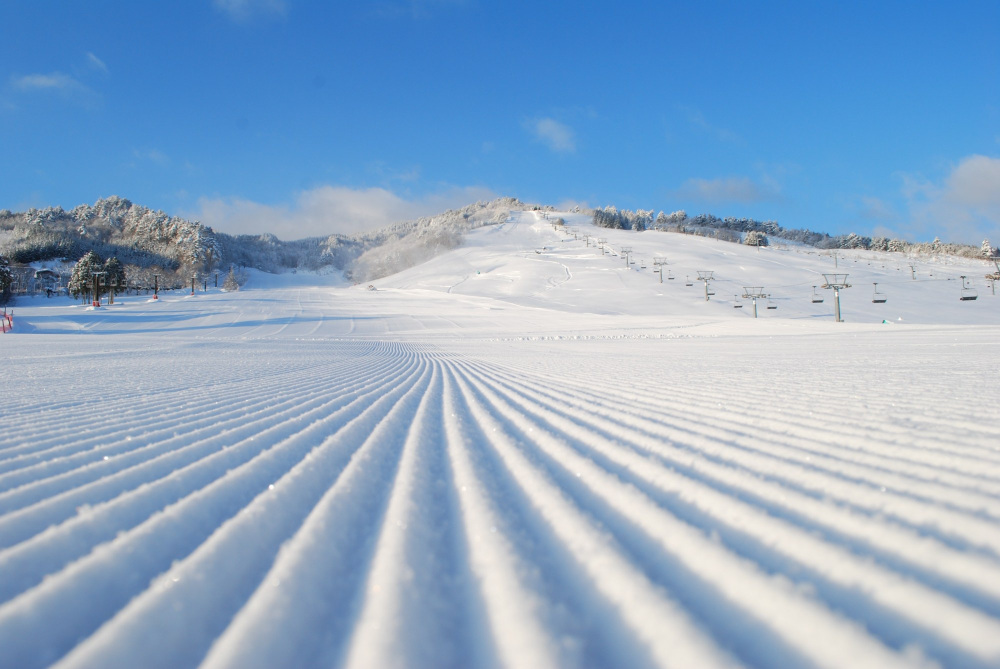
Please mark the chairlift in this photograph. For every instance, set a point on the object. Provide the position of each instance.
(877, 297)
(670, 276)
(736, 302)
(687, 281)
(816, 297)
(771, 304)
(968, 292)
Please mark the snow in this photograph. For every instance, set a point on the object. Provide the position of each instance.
(521, 453)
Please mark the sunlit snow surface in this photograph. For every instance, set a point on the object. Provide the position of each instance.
(520, 454)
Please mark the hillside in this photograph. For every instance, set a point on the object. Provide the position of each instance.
(143, 239)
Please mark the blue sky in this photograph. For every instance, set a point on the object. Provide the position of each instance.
(306, 117)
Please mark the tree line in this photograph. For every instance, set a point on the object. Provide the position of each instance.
(756, 233)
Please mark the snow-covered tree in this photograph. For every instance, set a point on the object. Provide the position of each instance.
(6, 279)
(988, 250)
(755, 238)
(642, 220)
(115, 280)
(897, 246)
(81, 283)
(231, 283)
(678, 217)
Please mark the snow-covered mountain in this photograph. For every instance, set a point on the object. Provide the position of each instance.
(142, 238)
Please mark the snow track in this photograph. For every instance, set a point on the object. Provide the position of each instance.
(347, 503)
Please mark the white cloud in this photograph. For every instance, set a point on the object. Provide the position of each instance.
(975, 183)
(96, 63)
(557, 136)
(55, 83)
(966, 204)
(326, 210)
(727, 189)
(245, 10)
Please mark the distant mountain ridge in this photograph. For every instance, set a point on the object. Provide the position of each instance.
(144, 238)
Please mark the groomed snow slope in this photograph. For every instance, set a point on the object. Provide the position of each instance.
(520, 454)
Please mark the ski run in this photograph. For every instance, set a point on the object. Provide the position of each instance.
(523, 453)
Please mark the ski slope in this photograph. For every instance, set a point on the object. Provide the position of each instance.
(523, 453)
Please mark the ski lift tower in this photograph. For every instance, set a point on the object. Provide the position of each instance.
(601, 241)
(658, 263)
(626, 251)
(753, 293)
(836, 282)
(99, 280)
(706, 276)
(993, 278)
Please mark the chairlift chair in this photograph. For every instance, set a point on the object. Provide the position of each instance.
(771, 304)
(816, 297)
(687, 281)
(877, 297)
(736, 302)
(968, 292)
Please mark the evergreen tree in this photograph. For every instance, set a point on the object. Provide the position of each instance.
(6, 279)
(231, 284)
(115, 278)
(81, 283)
